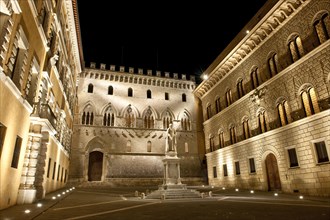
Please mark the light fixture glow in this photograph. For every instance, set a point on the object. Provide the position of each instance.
(27, 211)
(67, 191)
(275, 194)
(58, 195)
(54, 197)
(223, 188)
(247, 31)
(301, 197)
(236, 190)
(39, 205)
(63, 193)
(251, 191)
(205, 77)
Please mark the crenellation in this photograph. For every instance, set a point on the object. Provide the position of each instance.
(140, 71)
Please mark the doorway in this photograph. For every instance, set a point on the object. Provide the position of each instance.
(95, 166)
(273, 176)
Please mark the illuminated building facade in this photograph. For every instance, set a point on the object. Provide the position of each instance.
(121, 122)
(40, 57)
(266, 102)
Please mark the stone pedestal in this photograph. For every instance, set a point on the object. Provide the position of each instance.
(171, 169)
(172, 187)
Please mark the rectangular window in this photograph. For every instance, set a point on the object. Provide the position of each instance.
(54, 169)
(237, 168)
(225, 171)
(215, 175)
(211, 144)
(167, 97)
(293, 157)
(2, 137)
(58, 172)
(252, 165)
(321, 151)
(48, 169)
(66, 173)
(208, 112)
(17, 151)
(217, 105)
(186, 147)
(62, 174)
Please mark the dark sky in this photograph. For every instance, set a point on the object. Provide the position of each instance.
(177, 37)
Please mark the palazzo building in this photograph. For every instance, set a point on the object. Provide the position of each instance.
(260, 120)
(120, 126)
(40, 57)
(266, 102)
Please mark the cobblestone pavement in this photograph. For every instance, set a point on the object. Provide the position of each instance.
(129, 203)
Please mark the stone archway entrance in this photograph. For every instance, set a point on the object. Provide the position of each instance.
(95, 166)
(273, 176)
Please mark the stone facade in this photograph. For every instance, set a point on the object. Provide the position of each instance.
(266, 102)
(120, 126)
(40, 57)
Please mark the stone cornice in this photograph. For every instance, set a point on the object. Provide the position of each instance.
(224, 64)
(74, 28)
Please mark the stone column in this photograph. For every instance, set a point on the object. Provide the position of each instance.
(40, 173)
(179, 177)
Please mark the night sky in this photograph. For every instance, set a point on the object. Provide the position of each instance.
(175, 37)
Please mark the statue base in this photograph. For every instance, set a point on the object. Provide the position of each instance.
(171, 169)
(172, 187)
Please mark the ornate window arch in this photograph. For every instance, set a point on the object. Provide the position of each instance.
(246, 127)
(295, 47)
(283, 111)
(262, 123)
(321, 24)
(211, 142)
(217, 104)
(109, 116)
(167, 118)
(229, 98)
(239, 87)
(309, 99)
(232, 133)
(185, 121)
(272, 63)
(208, 111)
(148, 118)
(221, 138)
(255, 77)
(88, 115)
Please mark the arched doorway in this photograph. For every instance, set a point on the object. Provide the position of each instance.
(273, 176)
(95, 166)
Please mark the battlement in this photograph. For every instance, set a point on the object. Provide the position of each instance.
(141, 71)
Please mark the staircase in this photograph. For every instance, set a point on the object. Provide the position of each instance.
(174, 192)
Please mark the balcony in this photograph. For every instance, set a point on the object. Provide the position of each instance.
(47, 113)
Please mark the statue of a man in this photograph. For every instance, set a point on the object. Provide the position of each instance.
(170, 139)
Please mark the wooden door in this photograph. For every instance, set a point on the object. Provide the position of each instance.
(95, 166)
(273, 177)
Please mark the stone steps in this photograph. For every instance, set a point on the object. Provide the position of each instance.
(174, 194)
